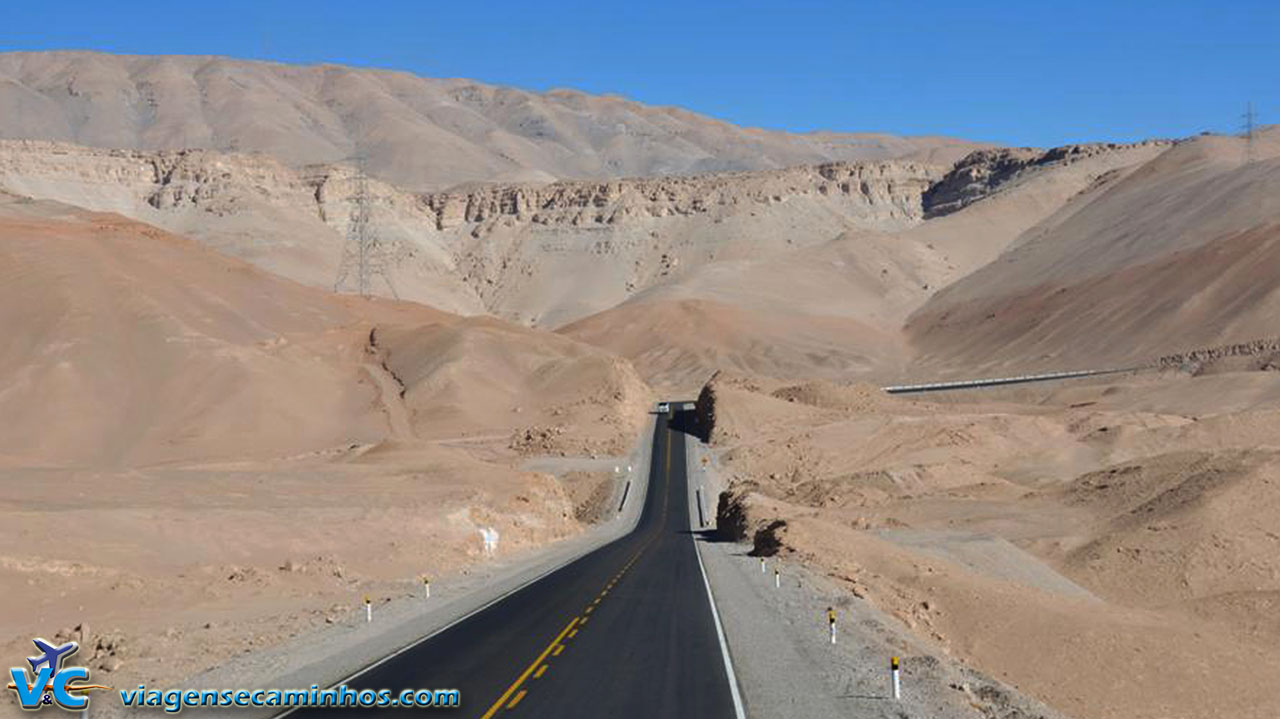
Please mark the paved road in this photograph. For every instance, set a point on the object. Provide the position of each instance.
(625, 631)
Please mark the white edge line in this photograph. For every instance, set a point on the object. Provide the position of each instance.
(724, 645)
(738, 710)
(445, 628)
(501, 597)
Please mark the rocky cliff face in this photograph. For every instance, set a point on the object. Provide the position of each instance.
(879, 191)
(984, 172)
(507, 249)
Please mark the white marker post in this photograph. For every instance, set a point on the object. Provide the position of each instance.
(831, 621)
(490, 537)
(897, 683)
(426, 588)
(368, 610)
(762, 565)
(777, 579)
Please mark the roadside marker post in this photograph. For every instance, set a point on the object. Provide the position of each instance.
(426, 587)
(489, 536)
(368, 609)
(777, 579)
(831, 621)
(762, 565)
(897, 683)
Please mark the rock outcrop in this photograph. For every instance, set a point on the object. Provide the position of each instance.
(878, 191)
(984, 172)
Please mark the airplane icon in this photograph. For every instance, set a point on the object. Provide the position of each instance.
(53, 656)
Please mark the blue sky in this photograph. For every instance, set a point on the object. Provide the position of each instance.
(1026, 73)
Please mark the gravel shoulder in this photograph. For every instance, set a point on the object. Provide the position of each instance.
(786, 664)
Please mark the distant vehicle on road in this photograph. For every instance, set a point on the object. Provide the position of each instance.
(664, 408)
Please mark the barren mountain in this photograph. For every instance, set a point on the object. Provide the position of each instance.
(1180, 253)
(419, 133)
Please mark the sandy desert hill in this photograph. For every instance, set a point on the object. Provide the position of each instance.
(129, 346)
(204, 423)
(420, 133)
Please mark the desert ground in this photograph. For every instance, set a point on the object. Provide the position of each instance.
(204, 444)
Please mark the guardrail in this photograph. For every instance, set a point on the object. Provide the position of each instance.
(996, 381)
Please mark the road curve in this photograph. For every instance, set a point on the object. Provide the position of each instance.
(626, 631)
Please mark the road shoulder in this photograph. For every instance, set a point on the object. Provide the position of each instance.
(786, 665)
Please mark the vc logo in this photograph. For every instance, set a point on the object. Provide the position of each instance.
(51, 683)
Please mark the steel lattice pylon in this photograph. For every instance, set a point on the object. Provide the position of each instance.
(364, 255)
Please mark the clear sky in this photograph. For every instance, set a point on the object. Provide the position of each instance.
(1029, 73)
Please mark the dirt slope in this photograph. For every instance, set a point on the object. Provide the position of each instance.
(1180, 253)
(126, 345)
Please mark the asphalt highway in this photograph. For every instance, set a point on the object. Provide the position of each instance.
(626, 631)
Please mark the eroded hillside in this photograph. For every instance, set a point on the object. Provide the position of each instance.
(539, 255)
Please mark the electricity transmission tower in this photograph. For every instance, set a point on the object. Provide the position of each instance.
(1250, 123)
(363, 254)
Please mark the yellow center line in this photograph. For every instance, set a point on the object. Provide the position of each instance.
(538, 668)
(553, 646)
